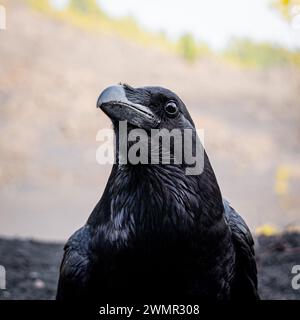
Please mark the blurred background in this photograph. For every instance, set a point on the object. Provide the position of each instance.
(236, 65)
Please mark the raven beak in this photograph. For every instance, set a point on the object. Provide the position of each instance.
(114, 103)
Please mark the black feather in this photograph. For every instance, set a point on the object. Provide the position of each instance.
(157, 232)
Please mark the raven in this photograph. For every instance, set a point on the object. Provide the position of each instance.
(158, 231)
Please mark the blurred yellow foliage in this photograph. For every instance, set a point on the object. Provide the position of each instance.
(88, 15)
(285, 7)
(282, 180)
(285, 173)
(259, 54)
(190, 49)
(266, 230)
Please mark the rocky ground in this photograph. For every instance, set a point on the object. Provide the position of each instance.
(32, 267)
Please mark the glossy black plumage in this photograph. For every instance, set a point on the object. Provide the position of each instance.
(156, 231)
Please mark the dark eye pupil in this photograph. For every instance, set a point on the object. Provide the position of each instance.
(171, 108)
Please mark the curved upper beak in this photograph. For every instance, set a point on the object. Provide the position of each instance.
(115, 104)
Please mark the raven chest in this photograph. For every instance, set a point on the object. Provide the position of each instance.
(175, 266)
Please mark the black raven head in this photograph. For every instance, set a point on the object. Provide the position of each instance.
(145, 107)
(157, 111)
(177, 171)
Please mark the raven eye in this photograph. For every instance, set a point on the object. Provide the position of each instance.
(171, 108)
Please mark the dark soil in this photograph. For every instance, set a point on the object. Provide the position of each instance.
(276, 256)
(32, 267)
